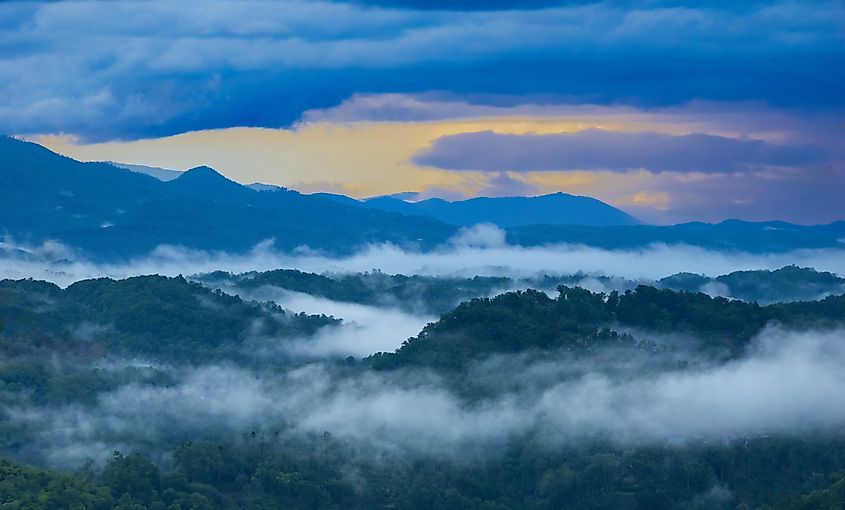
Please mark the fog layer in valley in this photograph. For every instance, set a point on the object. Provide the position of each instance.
(364, 331)
(480, 250)
(789, 383)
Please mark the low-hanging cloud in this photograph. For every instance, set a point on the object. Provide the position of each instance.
(364, 330)
(789, 383)
(787, 386)
(479, 250)
(596, 149)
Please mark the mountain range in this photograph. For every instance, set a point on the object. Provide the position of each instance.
(505, 212)
(110, 212)
(553, 209)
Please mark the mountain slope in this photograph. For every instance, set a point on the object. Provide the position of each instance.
(162, 174)
(506, 212)
(790, 283)
(583, 322)
(732, 235)
(111, 213)
(205, 182)
(43, 191)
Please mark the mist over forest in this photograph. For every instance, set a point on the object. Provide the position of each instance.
(422, 255)
(418, 380)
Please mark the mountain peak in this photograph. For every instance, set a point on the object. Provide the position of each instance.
(207, 182)
(204, 172)
(205, 175)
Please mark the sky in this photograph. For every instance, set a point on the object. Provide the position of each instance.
(672, 110)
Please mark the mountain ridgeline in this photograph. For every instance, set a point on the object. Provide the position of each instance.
(533, 390)
(438, 295)
(168, 318)
(580, 321)
(110, 213)
(505, 212)
(113, 213)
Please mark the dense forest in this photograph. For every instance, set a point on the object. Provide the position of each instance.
(438, 295)
(580, 321)
(412, 293)
(169, 318)
(790, 283)
(422, 255)
(772, 474)
(152, 392)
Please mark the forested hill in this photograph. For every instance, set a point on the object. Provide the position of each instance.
(789, 283)
(203, 426)
(178, 319)
(440, 294)
(427, 294)
(169, 318)
(580, 321)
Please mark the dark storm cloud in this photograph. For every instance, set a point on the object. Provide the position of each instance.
(493, 5)
(469, 5)
(142, 69)
(595, 149)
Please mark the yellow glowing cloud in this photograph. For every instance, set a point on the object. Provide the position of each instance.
(658, 200)
(366, 158)
(362, 158)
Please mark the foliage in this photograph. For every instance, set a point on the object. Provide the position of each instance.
(175, 321)
(581, 322)
(147, 315)
(438, 294)
(776, 474)
(789, 283)
(427, 294)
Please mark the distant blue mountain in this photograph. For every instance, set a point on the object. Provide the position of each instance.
(553, 209)
(162, 174)
(206, 183)
(257, 186)
(730, 235)
(110, 214)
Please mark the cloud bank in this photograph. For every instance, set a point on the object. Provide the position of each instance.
(790, 383)
(596, 149)
(365, 329)
(152, 68)
(480, 250)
